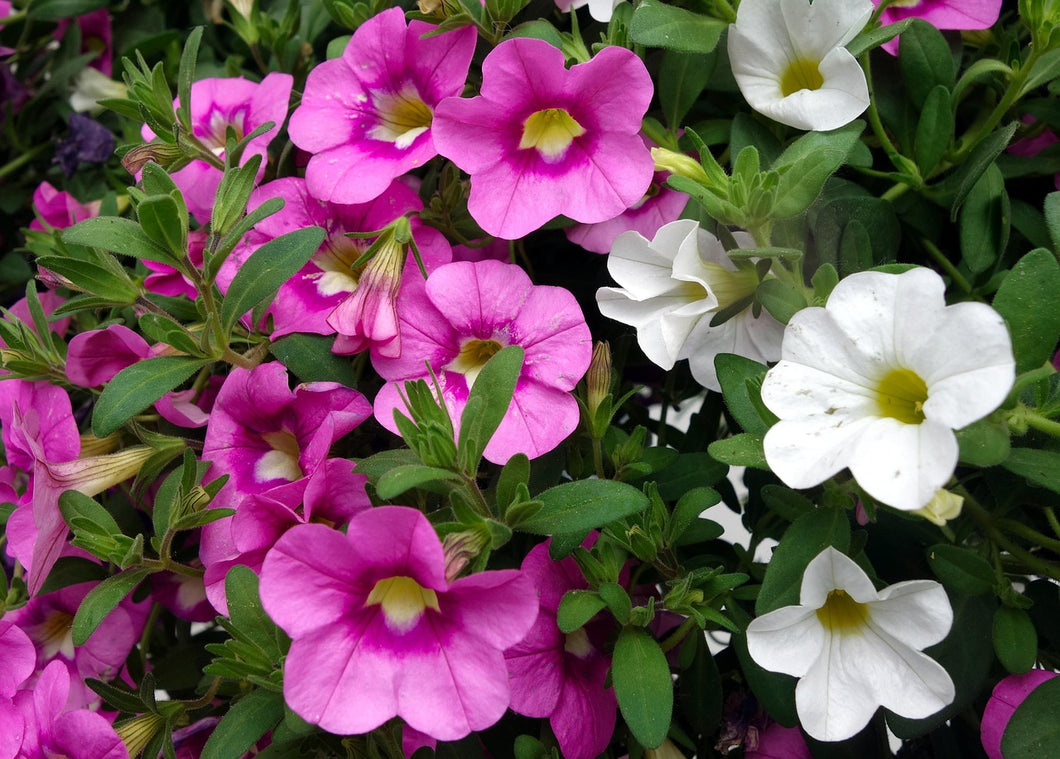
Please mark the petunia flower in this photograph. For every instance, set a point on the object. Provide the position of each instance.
(465, 313)
(941, 14)
(854, 648)
(378, 632)
(673, 286)
(59, 209)
(790, 64)
(541, 140)
(878, 380)
(367, 115)
(1004, 700)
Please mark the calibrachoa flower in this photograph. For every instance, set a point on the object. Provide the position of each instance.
(554, 141)
(878, 380)
(465, 313)
(59, 209)
(790, 64)
(1004, 700)
(367, 115)
(378, 632)
(941, 14)
(217, 104)
(854, 648)
(600, 10)
(673, 286)
(561, 676)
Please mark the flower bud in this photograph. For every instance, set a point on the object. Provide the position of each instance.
(680, 164)
(943, 507)
(598, 378)
(461, 548)
(162, 154)
(137, 732)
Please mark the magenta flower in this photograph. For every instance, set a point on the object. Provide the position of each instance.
(59, 209)
(94, 357)
(463, 315)
(561, 676)
(96, 37)
(542, 140)
(166, 280)
(377, 632)
(18, 658)
(367, 115)
(217, 104)
(942, 14)
(1004, 700)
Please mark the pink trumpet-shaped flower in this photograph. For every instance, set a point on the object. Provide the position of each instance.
(941, 14)
(378, 632)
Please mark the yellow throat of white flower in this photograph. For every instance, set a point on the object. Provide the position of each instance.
(801, 74)
(841, 614)
(901, 394)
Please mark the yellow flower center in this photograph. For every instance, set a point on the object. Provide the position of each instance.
(901, 395)
(281, 463)
(802, 74)
(551, 132)
(402, 117)
(842, 614)
(335, 259)
(403, 600)
(730, 286)
(472, 357)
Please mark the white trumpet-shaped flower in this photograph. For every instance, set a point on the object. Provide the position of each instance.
(855, 649)
(878, 380)
(790, 64)
(671, 289)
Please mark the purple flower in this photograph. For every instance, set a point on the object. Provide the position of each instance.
(542, 140)
(378, 632)
(367, 115)
(94, 357)
(1005, 699)
(562, 676)
(88, 142)
(463, 315)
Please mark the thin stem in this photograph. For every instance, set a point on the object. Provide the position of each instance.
(1029, 533)
(598, 458)
(939, 257)
(1041, 423)
(1029, 378)
(678, 635)
(23, 159)
(149, 626)
(1050, 517)
(900, 162)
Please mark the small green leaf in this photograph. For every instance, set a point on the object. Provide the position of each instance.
(1038, 466)
(682, 77)
(656, 24)
(248, 617)
(744, 449)
(487, 403)
(241, 727)
(1033, 732)
(1015, 639)
(807, 537)
(961, 570)
(741, 384)
(806, 165)
(400, 479)
(161, 220)
(309, 358)
(53, 10)
(925, 61)
(984, 221)
(1027, 301)
(617, 601)
(92, 277)
(76, 505)
(583, 505)
(270, 266)
(686, 512)
(576, 608)
(984, 443)
(982, 156)
(101, 600)
(643, 686)
(515, 473)
(136, 387)
(122, 236)
(1052, 218)
(934, 130)
(781, 299)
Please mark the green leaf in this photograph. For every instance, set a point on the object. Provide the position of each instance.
(934, 130)
(270, 266)
(1033, 732)
(868, 40)
(925, 61)
(515, 473)
(686, 512)
(1015, 639)
(984, 443)
(161, 220)
(186, 75)
(1038, 466)
(689, 471)
(617, 601)
(785, 502)
(807, 164)
(983, 154)
(682, 77)
(247, 615)
(487, 403)
(400, 479)
(643, 686)
(781, 299)
(54, 10)
(77, 506)
(744, 449)
(741, 384)
(984, 221)
(656, 24)
(93, 277)
(527, 747)
(961, 570)
(309, 358)
(1027, 301)
(248, 719)
(136, 387)
(807, 537)
(1052, 218)
(576, 608)
(583, 505)
(162, 329)
(101, 600)
(122, 236)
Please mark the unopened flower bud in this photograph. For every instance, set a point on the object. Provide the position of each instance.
(598, 378)
(162, 154)
(460, 549)
(137, 732)
(943, 507)
(666, 751)
(680, 164)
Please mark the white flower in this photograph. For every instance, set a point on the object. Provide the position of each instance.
(790, 64)
(942, 507)
(671, 289)
(855, 649)
(91, 86)
(878, 380)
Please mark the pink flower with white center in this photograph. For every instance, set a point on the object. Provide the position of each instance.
(542, 140)
(941, 14)
(59, 209)
(367, 115)
(561, 676)
(378, 632)
(217, 104)
(465, 313)
(306, 302)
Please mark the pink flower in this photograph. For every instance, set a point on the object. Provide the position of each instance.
(377, 632)
(562, 676)
(166, 280)
(58, 209)
(96, 37)
(94, 357)
(550, 142)
(779, 742)
(463, 315)
(18, 658)
(367, 115)
(217, 104)
(942, 14)
(1005, 699)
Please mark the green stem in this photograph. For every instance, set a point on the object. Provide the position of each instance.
(1028, 378)
(23, 159)
(1029, 533)
(1028, 560)
(145, 637)
(598, 458)
(939, 257)
(899, 161)
(1050, 517)
(678, 635)
(1041, 423)
(725, 10)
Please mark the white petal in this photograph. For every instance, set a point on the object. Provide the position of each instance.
(831, 570)
(826, 24)
(816, 337)
(916, 612)
(904, 680)
(797, 390)
(832, 700)
(903, 465)
(645, 268)
(806, 452)
(787, 640)
(756, 339)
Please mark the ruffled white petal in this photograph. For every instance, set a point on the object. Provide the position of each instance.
(917, 611)
(787, 640)
(831, 570)
(903, 465)
(832, 700)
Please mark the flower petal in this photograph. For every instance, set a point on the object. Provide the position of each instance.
(788, 640)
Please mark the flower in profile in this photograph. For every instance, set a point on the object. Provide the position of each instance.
(541, 140)
(1004, 700)
(673, 286)
(790, 64)
(463, 315)
(367, 115)
(378, 632)
(854, 648)
(941, 14)
(59, 209)
(878, 380)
